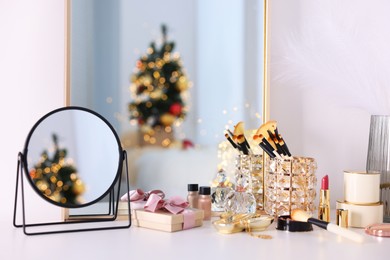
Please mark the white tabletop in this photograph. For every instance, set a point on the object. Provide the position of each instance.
(205, 241)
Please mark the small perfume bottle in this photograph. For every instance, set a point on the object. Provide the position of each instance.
(241, 200)
(193, 195)
(219, 191)
(204, 201)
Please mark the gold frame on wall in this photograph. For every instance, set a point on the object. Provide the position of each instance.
(67, 6)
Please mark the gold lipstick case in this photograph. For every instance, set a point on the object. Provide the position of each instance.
(324, 206)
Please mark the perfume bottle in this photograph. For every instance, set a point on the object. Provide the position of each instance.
(241, 200)
(219, 191)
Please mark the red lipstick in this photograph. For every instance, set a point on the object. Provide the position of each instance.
(324, 206)
(325, 183)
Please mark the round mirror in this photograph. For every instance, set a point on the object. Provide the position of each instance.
(72, 157)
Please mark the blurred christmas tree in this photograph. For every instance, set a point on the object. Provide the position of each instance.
(157, 88)
(57, 179)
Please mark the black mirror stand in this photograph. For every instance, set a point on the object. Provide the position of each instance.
(109, 216)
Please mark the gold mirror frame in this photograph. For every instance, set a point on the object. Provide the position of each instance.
(265, 72)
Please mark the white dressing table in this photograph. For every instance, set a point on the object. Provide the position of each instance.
(198, 243)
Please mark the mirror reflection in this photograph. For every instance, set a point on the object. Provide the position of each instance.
(56, 176)
(72, 157)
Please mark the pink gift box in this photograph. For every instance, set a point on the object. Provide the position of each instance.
(161, 219)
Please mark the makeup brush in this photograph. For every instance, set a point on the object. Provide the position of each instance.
(272, 126)
(230, 133)
(278, 140)
(279, 148)
(284, 145)
(269, 146)
(239, 138)
(231, 141)
(266, 146)
(300, 215)
(266, 130)
(266, 149)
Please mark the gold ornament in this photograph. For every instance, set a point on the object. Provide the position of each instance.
(146, 80)
(157, 94)
(78, 187)
(145, 128)
(167, 119)
(182, 83)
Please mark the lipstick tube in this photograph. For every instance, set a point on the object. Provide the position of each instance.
(324, 204)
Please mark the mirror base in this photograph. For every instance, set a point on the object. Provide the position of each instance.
(84, 222)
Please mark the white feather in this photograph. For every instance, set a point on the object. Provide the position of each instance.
(341, 48)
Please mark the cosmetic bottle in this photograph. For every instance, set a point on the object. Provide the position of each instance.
(324, 205)
(219, 191)
(241, 200)
(204, 201)
(193, 195)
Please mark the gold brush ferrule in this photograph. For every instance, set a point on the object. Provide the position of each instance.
(324, 206)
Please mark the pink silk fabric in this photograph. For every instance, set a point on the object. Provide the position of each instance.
(140, 195)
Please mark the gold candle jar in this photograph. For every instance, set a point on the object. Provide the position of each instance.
(289, 184)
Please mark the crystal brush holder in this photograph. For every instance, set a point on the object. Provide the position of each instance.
(289, 184)
(251, 166)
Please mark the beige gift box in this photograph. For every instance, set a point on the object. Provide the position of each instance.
(163, 220)
(160, 220)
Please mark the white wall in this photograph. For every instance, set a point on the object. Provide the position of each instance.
(317, 124)
(32, 84)
(329, 61)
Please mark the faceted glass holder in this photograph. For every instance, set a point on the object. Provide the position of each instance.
(249, 176)
(220, 191)
(378, 157)
(289, 184)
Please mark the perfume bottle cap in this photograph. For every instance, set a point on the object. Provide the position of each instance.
(204, 190)
(192, 187)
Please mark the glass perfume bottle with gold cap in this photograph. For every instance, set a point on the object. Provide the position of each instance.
(241, 200)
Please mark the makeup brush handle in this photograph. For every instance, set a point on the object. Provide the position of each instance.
(345, 232)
